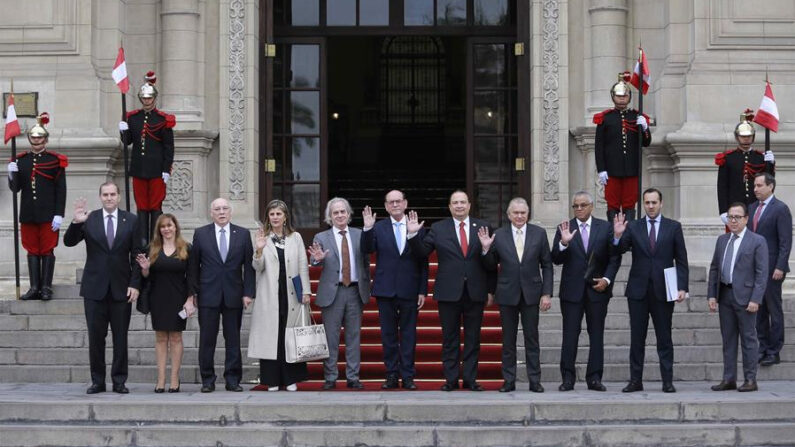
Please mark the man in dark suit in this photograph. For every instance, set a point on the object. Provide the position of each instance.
(400, 286)
(771, 218)
(737, 279)
(221, 271)
(462, 287)
(582, 245)
(343, 290)
(524, 285)
(657, 243)
(111, 280)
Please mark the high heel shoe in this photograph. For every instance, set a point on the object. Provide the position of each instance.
(160, 390)
(174, 390)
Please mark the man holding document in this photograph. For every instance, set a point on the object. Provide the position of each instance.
(657, 243)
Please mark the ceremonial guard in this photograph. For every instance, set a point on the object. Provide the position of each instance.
(737, 167)
(41, 177)
(150, 132)
(617, 150)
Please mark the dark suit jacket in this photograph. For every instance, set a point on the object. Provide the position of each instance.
(217, 280)
(530, 278)
(106, 267)
(455, 269)
(603, 261)
(396, 275)
(776, 227)
(750, 272)
(647, 267)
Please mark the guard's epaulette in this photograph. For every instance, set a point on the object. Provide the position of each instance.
(171, 120)
(134, 112)
(720, 157)
(63, 160)
(599, 117)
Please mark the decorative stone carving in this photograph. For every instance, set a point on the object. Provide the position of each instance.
(550, 83)
(179, 196)
(237, 99)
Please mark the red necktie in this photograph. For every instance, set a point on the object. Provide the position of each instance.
(462, 236)
(757, 214)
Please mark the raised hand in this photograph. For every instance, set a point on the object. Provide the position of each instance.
(485, 239)
(261, 240)
(412, 226)
(619, 225)
(369, 217)
(143, 261)
(80, 210)
(316, 252)
(565, 235)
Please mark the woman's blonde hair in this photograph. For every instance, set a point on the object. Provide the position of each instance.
(280, 205)
(157, 240)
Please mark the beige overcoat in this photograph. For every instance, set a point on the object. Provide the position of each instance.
(265, 314)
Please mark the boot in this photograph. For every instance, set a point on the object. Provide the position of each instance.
(153, 215)
(611, 214)
(47, 270)
(143, 227)
(630, 213)
(34, 271)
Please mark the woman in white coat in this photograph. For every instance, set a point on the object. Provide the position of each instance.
(279, 257)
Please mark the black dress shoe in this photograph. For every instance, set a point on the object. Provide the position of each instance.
(329, 385)
(566, 386)
(724, 386)
(668, 387)
(408, 384)
(174, 390)
(96, 388)
(472, 386)
(770, 360)
(234, 387)
(355, 385)
(160, 390)
(120, 388)
(507, 387)
(208, 388)
(449, 386)
(536, 387)
(391, 383)
(596, 385)
(748, 386)
(632, 386)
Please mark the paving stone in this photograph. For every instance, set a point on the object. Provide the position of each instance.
(590, 412)
(27, 436)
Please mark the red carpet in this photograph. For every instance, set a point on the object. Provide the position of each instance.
(422, 385)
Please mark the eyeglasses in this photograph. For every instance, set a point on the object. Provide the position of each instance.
(394, 202)
(580, 206)
(222, 208)
(735, 218)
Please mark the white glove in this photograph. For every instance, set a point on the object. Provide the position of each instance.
(12, 167)
(724, 218)
(123, 126)
(603, 177)
(56, 223)
(769, 157)
(166, 176)
(642, 122)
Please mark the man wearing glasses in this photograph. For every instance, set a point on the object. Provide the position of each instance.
(737, 279)
(582, 246)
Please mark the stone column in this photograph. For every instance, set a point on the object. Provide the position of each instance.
(608, 50)
(180, 66)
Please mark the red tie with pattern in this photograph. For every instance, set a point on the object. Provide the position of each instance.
(757, 214)
(462, 236)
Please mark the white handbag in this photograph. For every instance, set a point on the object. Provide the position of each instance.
(305, 343)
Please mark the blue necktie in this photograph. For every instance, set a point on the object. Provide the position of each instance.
(222, 245)
(109, 233)
(398, 236)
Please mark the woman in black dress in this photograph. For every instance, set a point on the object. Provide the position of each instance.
(165, 269)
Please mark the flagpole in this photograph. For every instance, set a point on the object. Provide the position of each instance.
(15, 214)
(640, 138)
(125, 154)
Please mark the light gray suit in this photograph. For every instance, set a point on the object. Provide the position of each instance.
(747, 283)
(340, 305)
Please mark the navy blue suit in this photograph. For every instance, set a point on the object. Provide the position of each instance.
(399, 279)
(221, 288)
(775, 225)
(646, 289)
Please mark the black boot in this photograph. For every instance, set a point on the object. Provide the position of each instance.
(47, 270)
(143, 227)
(611, 214)
(630, 214)
(34, 271)
(153, 215)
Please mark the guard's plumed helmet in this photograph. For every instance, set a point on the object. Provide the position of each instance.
(39, 130)
(148, 89)
(621, 88)
(745, 128)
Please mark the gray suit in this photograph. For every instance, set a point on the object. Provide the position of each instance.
(340, 305)
(748, 281)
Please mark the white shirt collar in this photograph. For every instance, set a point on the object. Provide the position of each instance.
(105, 214)
(515, 230)
(458, 222)
(218, 228)
(767, 201)
(657, 219)
(587, 222)
(337, 230)
(742, 233)
(396, 221)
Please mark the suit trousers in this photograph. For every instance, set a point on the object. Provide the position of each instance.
(344, 311)
(398, 318)
(770, 320)
(510, 316)
(661, 314)
(595, 314)
(209, 319)
(736, 322)
(450, 316)
(98, 315)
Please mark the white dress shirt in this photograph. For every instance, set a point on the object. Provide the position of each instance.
(402, 229)
(738, 239)
(764, 208)
(115, 220)
(218, 237)
(338, 240)
(457, 224)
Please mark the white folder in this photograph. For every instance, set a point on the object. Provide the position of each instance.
(671, 284)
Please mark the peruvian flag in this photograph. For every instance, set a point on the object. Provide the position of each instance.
(120, 72)
(12, 124)
(767, 115)
(641, 72)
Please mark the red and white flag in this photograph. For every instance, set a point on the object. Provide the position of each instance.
(12, 124)
(120, 72)
(641, 72)
(767, 115)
